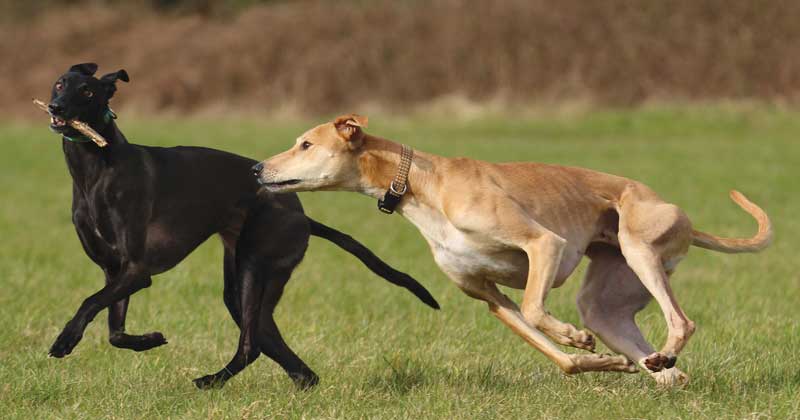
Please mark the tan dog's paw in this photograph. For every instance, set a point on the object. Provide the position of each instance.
(630, 365)
(670, 377)
(573, 337)
(602, 362)
(584, 340)
(659, 361)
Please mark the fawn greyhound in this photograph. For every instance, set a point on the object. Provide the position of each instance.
(140, 210)
(526, 226)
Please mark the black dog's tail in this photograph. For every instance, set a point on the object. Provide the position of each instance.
(377, 265)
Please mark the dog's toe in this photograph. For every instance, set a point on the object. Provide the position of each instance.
(584, 340)
(209, 382)
(64, 344)
(659, 361)
(671, 359)
(671, 377)
(151, 340)
(305, 380)
(590, 342)
(631, 366)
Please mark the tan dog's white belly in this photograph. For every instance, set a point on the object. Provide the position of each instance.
(474, 256)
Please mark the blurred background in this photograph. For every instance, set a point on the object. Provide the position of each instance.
(691, 97)
(323, 57)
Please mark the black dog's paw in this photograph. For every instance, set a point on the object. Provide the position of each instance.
(137, 342)
(305, 380)
(149, 341)
(210, 382)
(64, 344)
(152, 340)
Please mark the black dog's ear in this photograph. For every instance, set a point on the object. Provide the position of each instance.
(110, 81)
(117, 75)
(84, 68)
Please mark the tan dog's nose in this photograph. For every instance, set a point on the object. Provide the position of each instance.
(257, 168)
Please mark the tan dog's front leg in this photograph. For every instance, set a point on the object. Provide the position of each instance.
(507, 311)
(544, 260)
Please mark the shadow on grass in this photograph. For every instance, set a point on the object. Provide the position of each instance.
(400, 376)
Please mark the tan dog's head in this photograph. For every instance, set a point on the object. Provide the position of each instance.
(323, 158)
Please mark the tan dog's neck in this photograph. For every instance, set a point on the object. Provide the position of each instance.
(378, 162)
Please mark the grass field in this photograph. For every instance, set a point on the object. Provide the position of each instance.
(380, 353)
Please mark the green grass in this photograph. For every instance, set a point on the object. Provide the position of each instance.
(380, 353)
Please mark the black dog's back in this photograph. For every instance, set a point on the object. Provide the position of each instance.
(179, 195)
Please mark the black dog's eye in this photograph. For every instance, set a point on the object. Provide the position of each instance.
(87, 93)
(59, 86)
(305, 145)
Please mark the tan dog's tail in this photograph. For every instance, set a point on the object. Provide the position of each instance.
(756, 243)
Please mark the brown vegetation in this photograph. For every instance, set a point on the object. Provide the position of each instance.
(333, 56)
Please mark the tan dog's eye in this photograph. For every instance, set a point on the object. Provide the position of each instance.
(305, 145)
(59, 86)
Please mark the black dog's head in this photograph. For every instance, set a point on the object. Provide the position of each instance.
(77, 94)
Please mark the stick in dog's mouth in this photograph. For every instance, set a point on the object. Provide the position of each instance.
(81, 126)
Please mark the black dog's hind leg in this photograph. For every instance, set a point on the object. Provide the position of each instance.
(251, 288)
(131, 279)
(266, 254)
(268, 336)
(230, 293)
(270, 340)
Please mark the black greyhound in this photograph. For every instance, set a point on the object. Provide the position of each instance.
(140, 210)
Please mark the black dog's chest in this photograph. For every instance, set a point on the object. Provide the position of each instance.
(94, 227)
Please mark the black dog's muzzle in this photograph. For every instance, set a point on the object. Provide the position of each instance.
(55, 109)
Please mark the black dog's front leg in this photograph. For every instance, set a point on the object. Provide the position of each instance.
(105, 256)
(131, 279)
(117, 313)
(116, 331)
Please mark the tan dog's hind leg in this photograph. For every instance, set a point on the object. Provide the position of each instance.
(608, 301)
(650, 235)
(507, 311)
(544, 256)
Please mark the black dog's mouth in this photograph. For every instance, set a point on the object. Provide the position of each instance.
(58, 124)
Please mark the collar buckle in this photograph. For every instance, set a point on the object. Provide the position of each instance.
(389, 202)
(399, 185)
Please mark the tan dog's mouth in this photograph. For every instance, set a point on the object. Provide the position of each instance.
(276, 186)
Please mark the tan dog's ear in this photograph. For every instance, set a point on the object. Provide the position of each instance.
(350, 128)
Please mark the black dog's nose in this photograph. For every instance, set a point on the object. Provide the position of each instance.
(257, 169)
(55, 109)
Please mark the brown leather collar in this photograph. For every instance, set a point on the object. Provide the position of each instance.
(399, 185)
